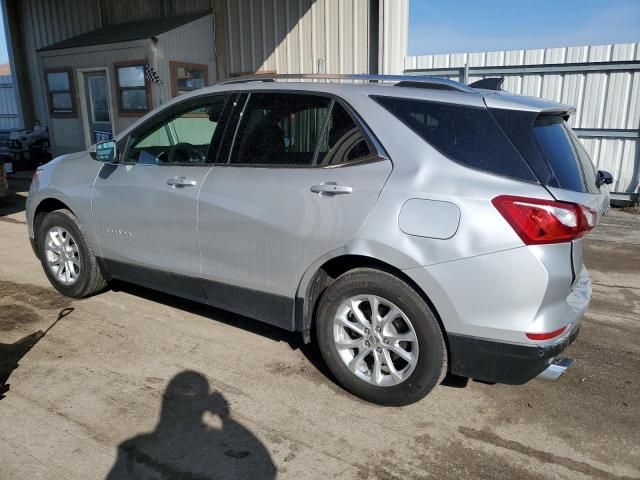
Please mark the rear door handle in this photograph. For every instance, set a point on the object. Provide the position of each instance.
(179, 182)
(330, 189)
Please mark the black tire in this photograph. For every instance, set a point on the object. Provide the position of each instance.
(90, 279)
(431, 366)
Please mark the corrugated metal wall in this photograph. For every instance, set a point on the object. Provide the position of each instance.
(9, 115)
(394, 34)
(45, 22)
(293, 36)
(606, 100)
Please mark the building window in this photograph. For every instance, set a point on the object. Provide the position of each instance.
(60, 92)
(186, 77)
(134, 94)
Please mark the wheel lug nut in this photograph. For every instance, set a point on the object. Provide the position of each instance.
(386, 341)
(378, 329)
(379, 350)
(366, 344)
(366, 330)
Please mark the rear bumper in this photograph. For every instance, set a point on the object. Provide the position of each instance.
(502, 362)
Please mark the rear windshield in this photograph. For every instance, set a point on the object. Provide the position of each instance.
(569, 162)
(554, 152)
(467, 135)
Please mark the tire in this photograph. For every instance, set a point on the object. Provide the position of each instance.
(88, 280)
(416, 322)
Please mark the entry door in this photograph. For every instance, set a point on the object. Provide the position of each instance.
(272, 211)
(145, 207)
(96, 88)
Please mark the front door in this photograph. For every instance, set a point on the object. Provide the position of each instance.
(98, 111)
(145, 207)
(300, 182)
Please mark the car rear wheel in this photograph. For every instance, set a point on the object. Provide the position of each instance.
(379, 338)
(68, 261)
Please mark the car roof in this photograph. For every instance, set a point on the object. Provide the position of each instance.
(352, 86)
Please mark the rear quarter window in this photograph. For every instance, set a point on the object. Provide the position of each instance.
(467, 135)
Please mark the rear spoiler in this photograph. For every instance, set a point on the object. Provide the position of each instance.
(490, 83)
(543, 107)
(510, 101)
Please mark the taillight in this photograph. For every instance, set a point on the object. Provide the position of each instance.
(539, 221)
(546, 336)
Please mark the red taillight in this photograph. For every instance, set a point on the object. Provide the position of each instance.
(546, 336)
(539, 221)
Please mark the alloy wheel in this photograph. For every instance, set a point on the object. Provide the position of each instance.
(62, 255)
(375, 340)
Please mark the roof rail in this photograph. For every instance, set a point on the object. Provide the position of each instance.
(419, 81)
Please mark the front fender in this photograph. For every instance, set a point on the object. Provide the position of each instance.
(68, 180)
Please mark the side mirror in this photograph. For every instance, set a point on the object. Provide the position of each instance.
(104, 151)
(604, 178)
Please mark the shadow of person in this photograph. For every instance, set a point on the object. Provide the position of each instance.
(10, 356)
(184, 446)
(12, 353)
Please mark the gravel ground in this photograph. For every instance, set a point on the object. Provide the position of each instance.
(136, 384)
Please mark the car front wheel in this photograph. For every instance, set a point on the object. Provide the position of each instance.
(68, 261)
(379, 338)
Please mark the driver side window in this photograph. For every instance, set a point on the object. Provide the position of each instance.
(180, 139)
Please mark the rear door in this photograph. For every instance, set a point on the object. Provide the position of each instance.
(299, 181)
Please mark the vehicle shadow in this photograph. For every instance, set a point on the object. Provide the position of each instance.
(12, 353)
(293, 339)
(12, 203)
(196, 438)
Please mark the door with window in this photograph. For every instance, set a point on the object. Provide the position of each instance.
(98, 110)
(145, 206)
(298, 182)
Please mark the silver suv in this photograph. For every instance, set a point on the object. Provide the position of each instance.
(413, 226)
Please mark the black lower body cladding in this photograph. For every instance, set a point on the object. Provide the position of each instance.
(500, 362)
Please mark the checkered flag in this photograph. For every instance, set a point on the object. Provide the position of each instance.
(151, 75)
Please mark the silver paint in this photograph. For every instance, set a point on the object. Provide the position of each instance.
(265, 229)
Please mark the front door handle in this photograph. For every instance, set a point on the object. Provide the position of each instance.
(180, 182)
(330, 189)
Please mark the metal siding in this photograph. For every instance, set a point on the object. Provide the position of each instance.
(291, 36)
(9, 115)
(45, 22)
(604, 100)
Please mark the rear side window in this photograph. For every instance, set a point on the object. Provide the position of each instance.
(343, 141)
(549, 145)
(467, 135)
(280, 129)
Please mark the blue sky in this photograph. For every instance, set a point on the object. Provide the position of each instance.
(440, 26)
(4, 56)
(437, 26)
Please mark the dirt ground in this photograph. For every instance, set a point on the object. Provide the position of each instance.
(135, 384)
